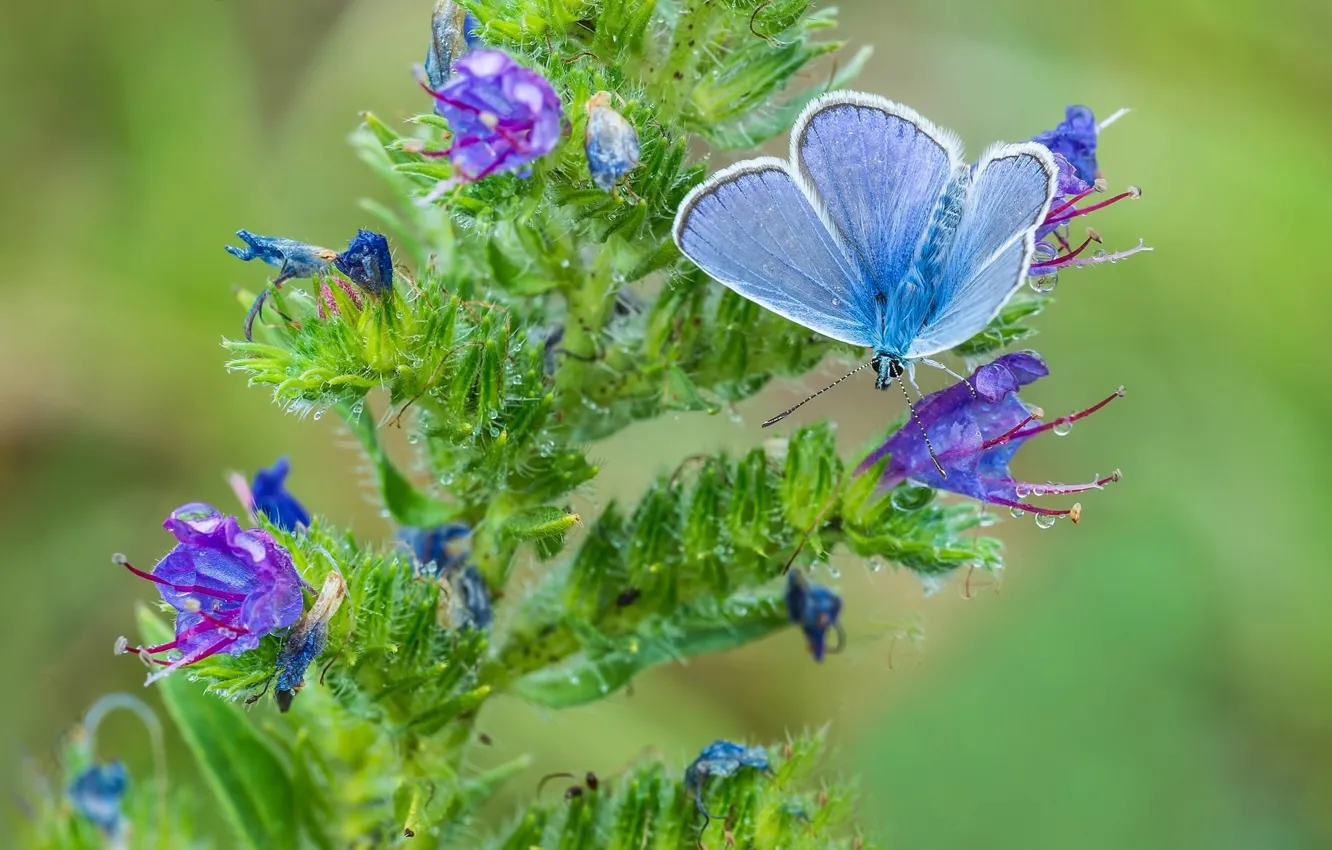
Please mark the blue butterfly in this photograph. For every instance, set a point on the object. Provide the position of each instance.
(876, 232)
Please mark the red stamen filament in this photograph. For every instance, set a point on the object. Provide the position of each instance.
(1093, 208)
(185, 588)
(1063, 258)
(1070, 202)
(1022, 506)
(1063, 489)
(1007, 435)
(1067, 419)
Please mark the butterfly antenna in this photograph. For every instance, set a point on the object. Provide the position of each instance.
(934, 457)
(785, 413)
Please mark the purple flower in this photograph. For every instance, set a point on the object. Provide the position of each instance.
(815, 610)
(976, 427)
(503, 115)
(229, 586)
(610, 142)
(1074, 139)
(1073, 143)
(367, 262)
(307, 640)
(98, 792)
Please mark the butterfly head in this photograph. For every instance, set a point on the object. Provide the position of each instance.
(887, 368)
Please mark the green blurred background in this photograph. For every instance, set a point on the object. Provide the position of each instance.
(1159, 676)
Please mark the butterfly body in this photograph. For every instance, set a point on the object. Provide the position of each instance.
(875, 231)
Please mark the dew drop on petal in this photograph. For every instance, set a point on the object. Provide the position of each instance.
(1045, 520)
(1017, 513)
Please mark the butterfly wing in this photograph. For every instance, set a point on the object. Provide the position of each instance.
(1008, 197)
(877, 171)
(754, 229)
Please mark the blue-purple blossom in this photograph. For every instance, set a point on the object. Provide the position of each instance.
(610, 142)
(1074, 145)
(453, 31)
(367, 262)
(503, 116)
(815, 609)
(976, 427)
(470, 605)
(307, 640)
(1074, 139)
(98, 793)
(269, 496)
(721, 758)
(229, 586)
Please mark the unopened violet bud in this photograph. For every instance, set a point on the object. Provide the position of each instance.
(98, 793)
(815, 609)
(269, 496)
(327, 304)
(307, 640)
(368, 263)
(610, 142)
(432, 550)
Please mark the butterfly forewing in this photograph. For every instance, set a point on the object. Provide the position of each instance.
(1008, 197)
(753, 229)
(877, 169)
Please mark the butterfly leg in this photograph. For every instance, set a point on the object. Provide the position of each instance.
(936, 364)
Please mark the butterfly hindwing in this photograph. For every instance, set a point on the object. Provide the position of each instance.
(1008, 196)
(752, 227)
(877, 169)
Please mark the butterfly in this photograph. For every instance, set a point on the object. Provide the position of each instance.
(875, 232)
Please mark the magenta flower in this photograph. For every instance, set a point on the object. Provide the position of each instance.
(976, 427)
(503, 116)
(229, 586)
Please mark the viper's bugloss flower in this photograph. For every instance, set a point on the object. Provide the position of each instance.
(292, 259)
(815, 609)
(1074, 139)
(503, 116)
(307, 640)
(721, 758)
(269, 496)
(452, 33)
(229, 586)
(976, 427)
(98, 792)
(610, 142)
(1073, 143)
(367, 262)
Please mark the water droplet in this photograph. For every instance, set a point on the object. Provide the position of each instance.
(564, 264)
(1017, 513)
(1045, 520)
(1099, 254)
(573, 679)
(876, 566)
(1020, 491)
(319, 414)
(833, 572)
(1044, 283)
(413, 439)
(1038, 491)
(1062, 427)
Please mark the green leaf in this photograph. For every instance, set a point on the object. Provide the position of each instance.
(600, 670)
(408, 505)
(240, 765)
